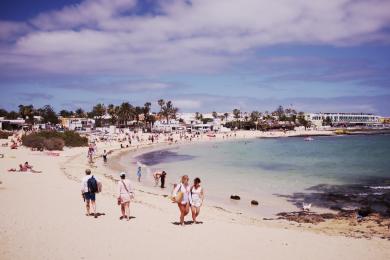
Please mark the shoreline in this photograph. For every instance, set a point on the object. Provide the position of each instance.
(37, 206)
(232, 207)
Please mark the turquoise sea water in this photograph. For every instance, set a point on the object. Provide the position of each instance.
(262, 169)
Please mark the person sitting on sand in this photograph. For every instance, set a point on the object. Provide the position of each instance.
(196, 199)
(89, 188)
(125, 195)
(181, 195)
(30, 167)
(14, 145)
(24, 168)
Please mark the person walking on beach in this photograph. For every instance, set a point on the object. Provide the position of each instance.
(162, 179)
(105, 156)
(89, 188)
(181, 195)
(139, 174)
(196, 199)
(125, 195)
(91, 151)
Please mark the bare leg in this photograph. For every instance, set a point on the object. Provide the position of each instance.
(186, 209)
(93, 204)
(87, 207)
(127, 210)
(182, 209)
(194, 215)
(123, 211)
(197, 214)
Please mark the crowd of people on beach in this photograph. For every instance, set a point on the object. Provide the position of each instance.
(186, 196)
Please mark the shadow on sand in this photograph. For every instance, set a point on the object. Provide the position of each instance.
(187, 223)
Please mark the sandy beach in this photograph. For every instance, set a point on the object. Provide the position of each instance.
(42, 217)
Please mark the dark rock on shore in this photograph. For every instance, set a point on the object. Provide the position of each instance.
(367, 197)
(235, 197)
(254, 202)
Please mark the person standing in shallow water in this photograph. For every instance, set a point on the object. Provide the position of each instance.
(105, 156)
(139, 174)
(162, 179)
(196, 199)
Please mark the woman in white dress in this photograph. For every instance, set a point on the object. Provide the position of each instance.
(181, 195)
(125, 195)
(196, 199)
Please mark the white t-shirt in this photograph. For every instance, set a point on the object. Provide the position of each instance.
(186, 192)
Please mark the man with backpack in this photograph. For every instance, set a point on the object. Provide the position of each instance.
(89, 187)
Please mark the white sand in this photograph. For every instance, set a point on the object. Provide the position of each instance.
(42, 217)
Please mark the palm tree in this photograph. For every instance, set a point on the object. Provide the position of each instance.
(27, 112)
(98, 112)
(302, 120)
(80, 113)
(198, 116)
(3, 113)
(215, 114)
(255, 115)
(113, 110)
(167, 109)
(237, 115)
(48, 114)
(125, 112)
(138, 111)
(226, 116)
(66, 113)
(147, 117)
(161, 103)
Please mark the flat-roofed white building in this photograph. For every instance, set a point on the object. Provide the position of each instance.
(76, 124)
(171, 126)
(10, 123)
(349, 119)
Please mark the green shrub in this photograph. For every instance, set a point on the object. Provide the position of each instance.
(52, 140)
(5, 135)
(73, 139)
(34, 141)
(54, 144)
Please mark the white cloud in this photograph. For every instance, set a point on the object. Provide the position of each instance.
(205, 36)
(187, 104)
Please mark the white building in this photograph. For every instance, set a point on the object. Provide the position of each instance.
(168, 127)
(5, 123)
(76, 124)
(349, 119)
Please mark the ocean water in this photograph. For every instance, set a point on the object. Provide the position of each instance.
(273, 170)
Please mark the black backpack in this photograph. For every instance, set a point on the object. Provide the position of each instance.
(92, 185)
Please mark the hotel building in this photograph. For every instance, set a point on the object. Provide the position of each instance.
(346, 119)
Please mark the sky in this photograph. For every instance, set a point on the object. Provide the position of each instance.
(204, 55)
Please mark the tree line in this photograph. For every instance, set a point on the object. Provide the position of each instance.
(118, 114)
(257, 120)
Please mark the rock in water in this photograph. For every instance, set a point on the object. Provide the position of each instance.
(254, 202)
(235, 197)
